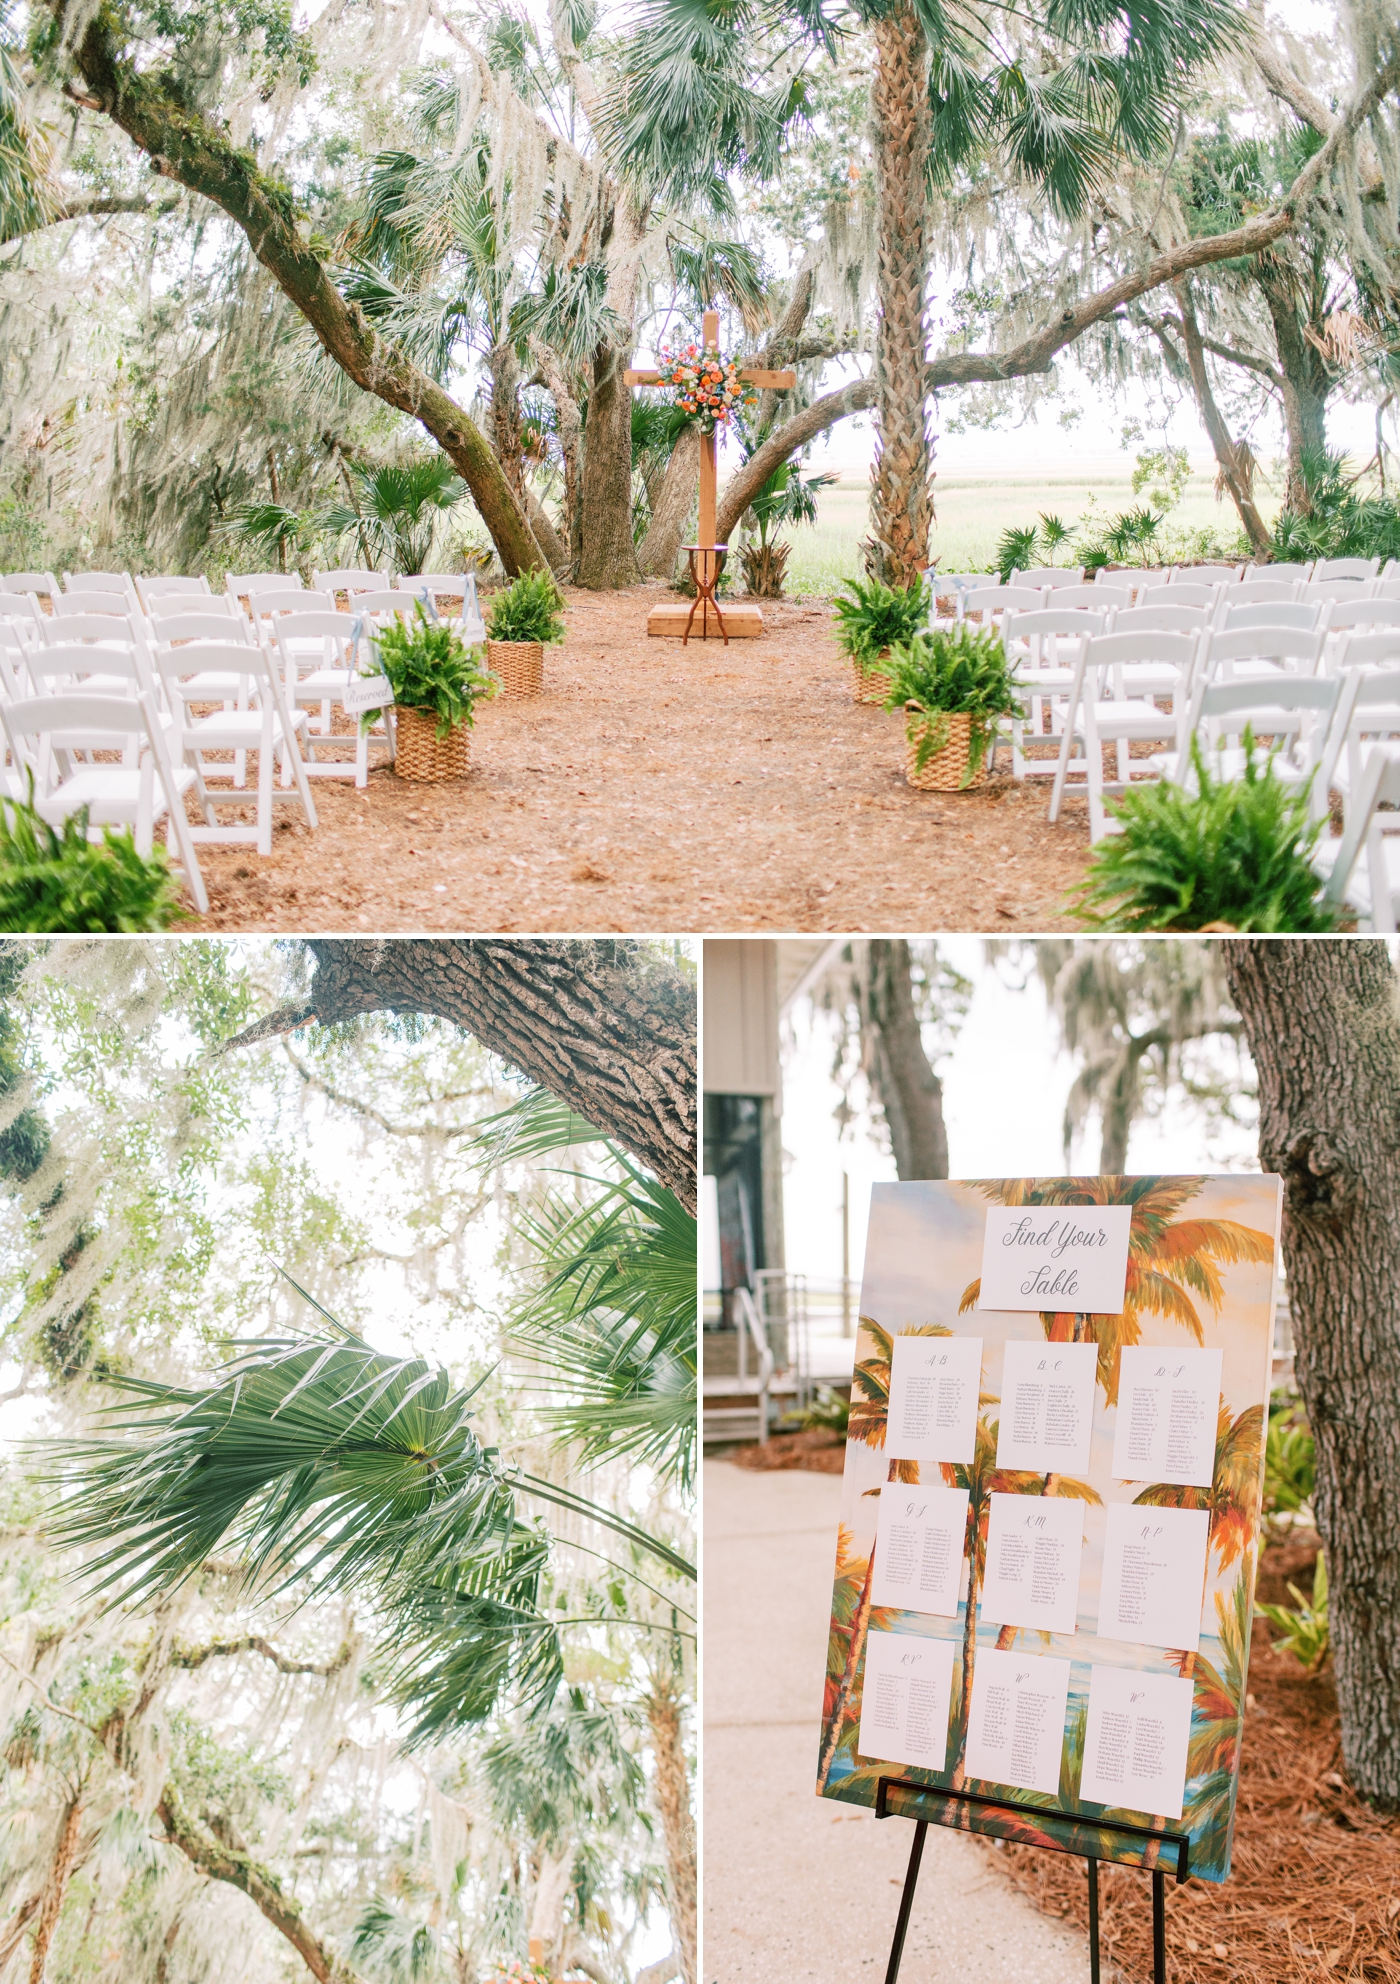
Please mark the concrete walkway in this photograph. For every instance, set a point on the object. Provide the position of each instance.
(797, 1889)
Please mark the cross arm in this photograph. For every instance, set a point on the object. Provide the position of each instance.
(761, 378)
(642, 378)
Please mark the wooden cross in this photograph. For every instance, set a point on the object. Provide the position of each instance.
(709, 483)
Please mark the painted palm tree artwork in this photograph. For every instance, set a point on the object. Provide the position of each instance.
(1200, 1276)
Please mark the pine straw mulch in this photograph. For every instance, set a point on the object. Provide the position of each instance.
(816, 1449)
(1314, 1888)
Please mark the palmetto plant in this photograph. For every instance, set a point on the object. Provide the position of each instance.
(396, 509)
(1172, 1263)
(330, 1466)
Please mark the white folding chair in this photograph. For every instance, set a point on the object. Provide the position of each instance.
(1160, 615)
(1207, 575)
(269, 728)
(45, 730)
(286, 599)
(101, 599)
(1341, 615)
(1378, 647)
(1368, 712)
(212, 624)
(1255, 653)
(92, 668)
(1256, 592)
(348, 581)
(1298, 614)
(1278, 571)
(118, 582)
(1191, 592)
(1342, 591)
(37, 585)
(149, 590)
(1043, 650)
(384, 601)
(1345, 568)
(994, 601)
(1369, 887)
(323, 644)
(1161, 664)
(1293, 712)
(950, 585)
(1102, 598)
(1051, 576)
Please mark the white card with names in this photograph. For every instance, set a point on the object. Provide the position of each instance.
(1060, 1259)
(1154, 1575)
(919, 1548)
(1047, 1406)
(935, 1382)
(1168, 1409)
(1032, 1575)
(904, 1699)
(1016, 1729)
(1136, 1741)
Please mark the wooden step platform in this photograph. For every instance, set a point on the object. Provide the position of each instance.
(743, 621)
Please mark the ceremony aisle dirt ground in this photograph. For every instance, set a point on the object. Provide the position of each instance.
(660, 788)
(802, 1889)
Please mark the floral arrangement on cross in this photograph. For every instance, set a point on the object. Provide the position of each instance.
(707, 387)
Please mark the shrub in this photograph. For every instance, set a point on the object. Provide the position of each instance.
(829, 1412)
(430, 667)
(1233, 856)
(61, 881)
(528, 610)
(1304, 1633)
(953, 671)
(1290, 1460)
(874, 617)
(1338, 522)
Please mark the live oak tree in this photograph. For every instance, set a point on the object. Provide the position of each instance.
(1323, 1023)
(609, 1027)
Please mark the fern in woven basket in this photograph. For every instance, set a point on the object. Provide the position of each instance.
(874, 617)
(528, 610)
(429, 667)
(955, 671)
(1235, 854)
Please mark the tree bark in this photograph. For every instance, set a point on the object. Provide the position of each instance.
(608, 557)
(1213, 420)
(674, 508)
(901, 510)
(224, 1863)
(671, 1794)
(910, 1093)
(56, 1886)
(185, 146)
(1307, 380)
(1037, 352)
(1323, 1023)
(600, 1023)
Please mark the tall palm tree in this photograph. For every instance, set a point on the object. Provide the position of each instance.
(870, 1406)
(1172, 1263)
(982, 1478)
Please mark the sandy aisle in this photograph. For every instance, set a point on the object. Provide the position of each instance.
(655, 788)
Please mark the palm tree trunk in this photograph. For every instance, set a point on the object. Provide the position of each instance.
(55, 1888)
(901, 505)
(1229, 460)
(856, 1646)
(671, 1791)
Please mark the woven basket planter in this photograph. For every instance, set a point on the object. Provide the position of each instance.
(421, 754)
(871, 685)
(520, 665)
(946, 769)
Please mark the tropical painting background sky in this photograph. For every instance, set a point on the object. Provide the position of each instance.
(1202, 1263)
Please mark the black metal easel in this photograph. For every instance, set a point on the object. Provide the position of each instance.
(1180, 1840)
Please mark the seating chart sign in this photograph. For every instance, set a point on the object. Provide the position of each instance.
(1050, 1517)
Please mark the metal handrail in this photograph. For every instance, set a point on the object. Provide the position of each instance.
(750, 1321)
